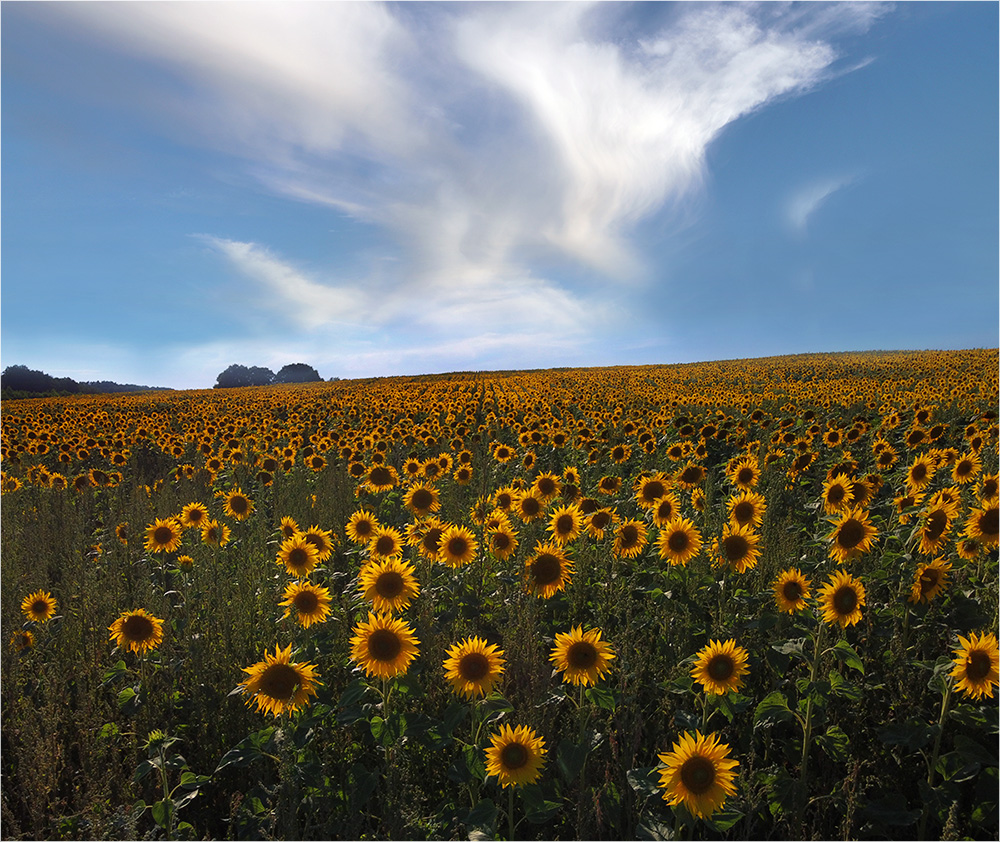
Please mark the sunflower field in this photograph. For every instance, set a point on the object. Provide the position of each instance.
(754, 599)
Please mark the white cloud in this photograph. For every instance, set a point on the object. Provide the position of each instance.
(802, 204)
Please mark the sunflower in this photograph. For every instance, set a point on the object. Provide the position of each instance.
(193, 515)
(457, 546)
(581, 656)
(679, 541)
(216, 533)
(837, 493)
(919, 474)
(426, 537)
(22, 640)
(385, 543)
(746, 508)
(39, 606)
(931, 579)
(528, 506)
(322, 540)
(565, 524)
(698, 773)
(137, 631)
(463, 474)
(185, 562)
(666, 509)
(977, 665)
(310, 602)
(163, 536)
(599, 521)
(237, 505)
(546, 486)
(989, 487)
(548, 570)
(298, 555)
(609, 485)
(279, 684)
(968, 548)
(361, 527)
(504, 498)
(389, 585)
(421, 500)
(501, 541)
(691, 476)
(738, 547)
(933, 531)
(650, 490)
(515, 756)
(473, 667)
(966, 468)
(720, 667)
(791, 590)
(852, 535)
(745, 473)
(841, 599)
(383, 646)
(288, 527)
(381, 478)
(630, 539)
(981, 525)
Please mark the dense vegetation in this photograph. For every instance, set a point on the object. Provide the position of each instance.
(796, 556)
(19, 381)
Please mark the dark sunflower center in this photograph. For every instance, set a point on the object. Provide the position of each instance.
(474, 666)
(39, 606)
(432, 539)
(678, 541)
(422, 499)
(384, 645)
(609, 484)
(363, 527)
(582, 655)
(380, 476)
(195, 515)
(691, 475)
(735, 547)
(745, 476)
(653, 490)
(163, 535)
(385, 545)
(137, 628)
(743, 512)
(546, 569)
(458, 546)
(929, 579)
(836, 494)
(513, 756)
(317, 541)
(306, 602)
(698, 774)
(530, 506)
(977, 666)
(629, 535)
(240, 505)
(298, 558)
(721, 668)
(279, 681)
(546, 485)
(963, 468)
(501, 541)
(845, 601)
(850, 534)
(504, 501)
(937, 522)
(389, 584)
(990, 488)
(919, 473)
(600, 520)
(791, 591)
(565, 524)
(988, 523)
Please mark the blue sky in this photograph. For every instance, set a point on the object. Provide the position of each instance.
(424, 187)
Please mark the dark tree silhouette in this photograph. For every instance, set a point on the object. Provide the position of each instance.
(239, 375)
(297, 373)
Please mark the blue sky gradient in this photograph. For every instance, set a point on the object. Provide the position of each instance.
(423, 187)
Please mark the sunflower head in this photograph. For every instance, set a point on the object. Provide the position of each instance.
(841, 599)
(383, 646)
(630, 538)
(39, 607)
(698, 773)
(311, 603)
(163, 536)
(852, 535)
(22, 640)
(720, 667)
(138, 631)
(679, 541)
(515, 756)
(473, 667)
(737, 547)
(387, 542)
(565, 524)
(278, 684)
(388, 584)
(457, 546)
(361, 527)
(298, 555)
(548, 570)
(237, 505)
(931, 579)
(977, 665)
(791, 590)
(581, 656)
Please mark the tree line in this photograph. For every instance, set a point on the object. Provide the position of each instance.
(19, 381)
(240, 375)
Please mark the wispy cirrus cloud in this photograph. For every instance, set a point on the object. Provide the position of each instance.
(805, 201)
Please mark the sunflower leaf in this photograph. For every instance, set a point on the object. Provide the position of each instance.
(835, 743)
(537, 809)
(482, 820)
(773, 708)
(843, 651)
(570, 758)
(644, 780)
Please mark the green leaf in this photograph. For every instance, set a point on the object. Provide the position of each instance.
(364, 781)
(773, 708)
(653, 829)
(794, 648)
(570, 758)
(537, 809)
(482, 818)
(143, 769)
(840, 686)
(644, 780)
(115, 672)
(602, 696)
(975, 751)
(723, 820)
(162, 811)
(835, 743)
(913, 734)
(843, 651)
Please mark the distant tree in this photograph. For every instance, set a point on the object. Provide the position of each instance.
(297, 373)
(239, 375)
(23, 379)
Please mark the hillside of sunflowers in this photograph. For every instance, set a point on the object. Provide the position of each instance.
(753, 599)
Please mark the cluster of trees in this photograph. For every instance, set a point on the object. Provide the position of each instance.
(241, 375)
(19, 381)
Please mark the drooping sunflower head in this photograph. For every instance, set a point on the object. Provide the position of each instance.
(278, 684)
(298, 555)
(22, 640)
(931, 579)
(841, 599)
(698, 773)
(581, 656)
(473, 666)
(389, 585)
(852, 535)
(720, 667)
(630, 539)
(39, 607)
(163, 536)
(311, 603)
(238, 505)
(977, 665)
(565, 524)
(515, 756)
(215, 533)
(933, 532)
(679, 541)
(383, 646)
(791, 590)
(548, 570)
(193, 515)
(457, 547)
(138, 631)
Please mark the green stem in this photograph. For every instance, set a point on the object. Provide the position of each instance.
(807, 725)
(932, 768)
(510, 812)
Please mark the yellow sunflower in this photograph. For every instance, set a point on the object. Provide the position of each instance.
(837, 492)
(931, 579)
(193, 515)
(981, 525)
(422, 500)
(744, 473)
(322, 540)
(691, 476)
(389, 585)
(137, 631)
(501, 541)
(163, 536)
(852, 535)
(279, 684)
(698, 773)
(966, 468)
(381, 478)
(565, 524)
(747, 508)
(548, 570)
(237, 505)
(457, 546)
(385, 543)
(298, 555)
(977, 665)
(667, 508)
(515, 756)
(650, 490)
(581, 656)
(630, 539)
(933, 532)
(39, 606)
(473, 667)
(791, 590)
(216, 533)
(361, 527)
(546, 486)
(22, 640)
(679, 541)
(383, 646)
(841, 599)
(720, 667)
(737, 547)
(288, 527)
(919, 473)
(599, 522)
(528, 506)
(311, 603)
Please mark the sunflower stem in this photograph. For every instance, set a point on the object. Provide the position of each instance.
(510, 812)
(932, 766)
(807, 724)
